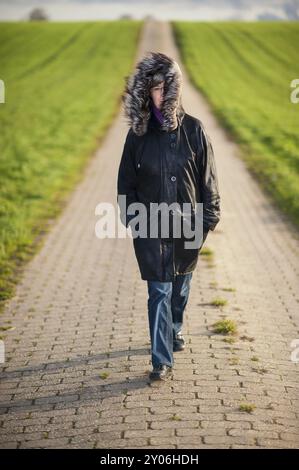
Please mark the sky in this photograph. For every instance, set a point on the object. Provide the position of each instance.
(205, 10)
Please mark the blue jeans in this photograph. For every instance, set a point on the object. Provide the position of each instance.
(166, 305)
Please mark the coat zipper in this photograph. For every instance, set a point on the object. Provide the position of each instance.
(162, 192)
(173, 243)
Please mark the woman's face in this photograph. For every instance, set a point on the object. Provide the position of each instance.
(157, 94)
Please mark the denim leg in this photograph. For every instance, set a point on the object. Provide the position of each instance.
(160, 322)
(179, 299)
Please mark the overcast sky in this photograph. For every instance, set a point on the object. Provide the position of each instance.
(160, 9)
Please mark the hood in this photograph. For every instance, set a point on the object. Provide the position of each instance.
(136, 97)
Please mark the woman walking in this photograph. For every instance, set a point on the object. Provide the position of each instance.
(167, 158)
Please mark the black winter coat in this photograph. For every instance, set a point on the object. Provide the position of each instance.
(176, 166)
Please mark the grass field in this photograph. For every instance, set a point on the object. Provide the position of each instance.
(245, 71)
(63, 83)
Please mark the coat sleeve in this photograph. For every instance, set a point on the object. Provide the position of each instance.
(209, 184)
(126, 180)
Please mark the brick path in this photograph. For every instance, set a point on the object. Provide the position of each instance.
(77, 361)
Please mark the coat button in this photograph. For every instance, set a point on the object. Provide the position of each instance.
(172, 145)
(173, 178)
(138, 165)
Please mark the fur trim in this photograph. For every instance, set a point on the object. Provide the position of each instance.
(136, 96)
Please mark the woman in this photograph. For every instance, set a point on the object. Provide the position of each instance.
(167, 158)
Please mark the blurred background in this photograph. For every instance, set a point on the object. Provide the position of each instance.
(138, 9)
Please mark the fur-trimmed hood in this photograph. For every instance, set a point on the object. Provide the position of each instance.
(136, 97)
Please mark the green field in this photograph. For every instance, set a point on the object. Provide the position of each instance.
(63, 86)
(63, 83)
(245, 71)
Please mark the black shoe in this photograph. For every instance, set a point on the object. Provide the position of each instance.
(178, 342)
(162, 372)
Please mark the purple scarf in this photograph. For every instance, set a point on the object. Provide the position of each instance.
(157, 113)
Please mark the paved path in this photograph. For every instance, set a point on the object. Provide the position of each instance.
(77, 361)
